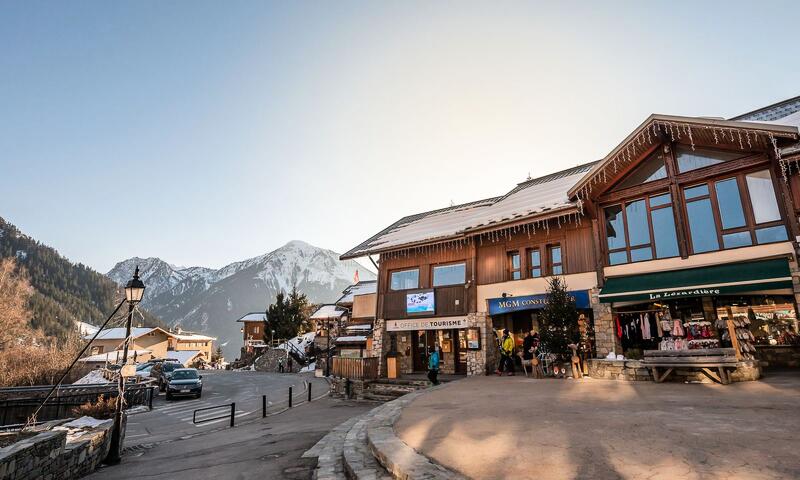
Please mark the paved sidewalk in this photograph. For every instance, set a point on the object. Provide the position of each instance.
(513, 427)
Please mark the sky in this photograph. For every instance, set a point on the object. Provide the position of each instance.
(207, 132)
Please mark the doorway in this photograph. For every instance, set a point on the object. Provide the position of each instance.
(422, 340)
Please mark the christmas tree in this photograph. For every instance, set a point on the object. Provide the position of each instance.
(559, 319)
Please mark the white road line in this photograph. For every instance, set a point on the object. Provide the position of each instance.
(226, 419)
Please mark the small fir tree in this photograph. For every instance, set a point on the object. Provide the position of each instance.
(288, 316)
(559, 319)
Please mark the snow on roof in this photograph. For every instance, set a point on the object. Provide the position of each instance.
(119, 333)
(112, 356)
(529, 198)
(352, 339)
(184, 356)
(86, 328)
(92, 378)
(192, 337)
(327, 311)
(361, 288)
(254, 317)
(361, 327)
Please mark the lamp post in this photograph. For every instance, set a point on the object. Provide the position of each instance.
(134, 290)
(272, 340)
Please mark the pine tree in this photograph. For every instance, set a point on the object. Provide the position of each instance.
(559, 319)
(288, 316)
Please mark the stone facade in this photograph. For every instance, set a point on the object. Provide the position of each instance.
(49, 456)
(606, 340)
(634, 370)
(483, 361)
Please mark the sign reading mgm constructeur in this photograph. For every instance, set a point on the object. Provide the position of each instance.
(426, 324)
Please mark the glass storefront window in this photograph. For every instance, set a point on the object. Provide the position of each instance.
(689, 159)
(740, 239)
(536, 263)
(454, 274)
(405, 280)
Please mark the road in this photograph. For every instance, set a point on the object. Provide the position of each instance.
(167, 445)
(173, 419)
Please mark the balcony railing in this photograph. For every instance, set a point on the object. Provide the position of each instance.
(365, 368)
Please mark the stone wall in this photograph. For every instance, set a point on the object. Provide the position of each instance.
(785, 356)
(483, 361)
(634, 370)
(268, 362)
(50, 456)
(605, 337)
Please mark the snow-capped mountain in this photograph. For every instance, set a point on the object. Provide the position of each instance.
(210, 301)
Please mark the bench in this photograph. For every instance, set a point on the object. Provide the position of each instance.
(706, 360)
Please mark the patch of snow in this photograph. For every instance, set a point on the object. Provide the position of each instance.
(92, 378)
(309, 368)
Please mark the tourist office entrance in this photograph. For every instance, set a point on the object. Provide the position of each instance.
(416, 337)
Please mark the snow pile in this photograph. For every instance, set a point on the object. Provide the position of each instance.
(299, 343)
(309, 368)
(91, 378)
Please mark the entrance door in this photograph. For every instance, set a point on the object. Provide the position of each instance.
(422, 340)
(460, 350)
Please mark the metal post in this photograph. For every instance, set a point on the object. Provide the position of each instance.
(328, 354)
(263, 406)
(290, 397)
(309, 391)
(150, 397)
(233, 412)
(347, 388)
(116, 443)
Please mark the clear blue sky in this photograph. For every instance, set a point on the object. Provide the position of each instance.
(208, 132)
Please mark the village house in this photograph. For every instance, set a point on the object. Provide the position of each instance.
(188, 348)
(691, 220)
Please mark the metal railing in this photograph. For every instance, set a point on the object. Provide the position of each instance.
(232, 414)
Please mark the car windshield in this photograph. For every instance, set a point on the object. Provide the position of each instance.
(168, 367)
(184, 375)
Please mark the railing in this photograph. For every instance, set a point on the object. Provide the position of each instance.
(18, 403)
(355, 368)
(232, 414)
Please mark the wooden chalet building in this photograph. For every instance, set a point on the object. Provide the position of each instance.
(689, 220)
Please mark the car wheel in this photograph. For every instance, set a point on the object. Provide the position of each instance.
(169, 397)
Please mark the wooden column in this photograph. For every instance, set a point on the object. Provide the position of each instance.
(677, 205)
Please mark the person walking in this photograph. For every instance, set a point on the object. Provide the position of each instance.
(433, 365)
(506, 354)
(529, 345)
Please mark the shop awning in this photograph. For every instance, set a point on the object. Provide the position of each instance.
(728, 279)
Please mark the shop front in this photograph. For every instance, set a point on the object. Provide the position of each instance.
(520, 314)
(741, 306)
(417, 337)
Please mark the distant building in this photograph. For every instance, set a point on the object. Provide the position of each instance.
(253, 330)
(188, 348)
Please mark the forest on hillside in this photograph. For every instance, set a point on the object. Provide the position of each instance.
(63, 291)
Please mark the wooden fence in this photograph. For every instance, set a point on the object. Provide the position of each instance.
(356, 368)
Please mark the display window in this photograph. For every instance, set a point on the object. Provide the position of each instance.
(771, 320)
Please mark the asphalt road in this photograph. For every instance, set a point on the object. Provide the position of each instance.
(173, 419)
(257, 448)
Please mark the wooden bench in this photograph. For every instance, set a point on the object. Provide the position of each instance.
(705, 359)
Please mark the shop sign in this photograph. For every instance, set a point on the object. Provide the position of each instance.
(697, 292)
(498, 306)
(426, 324)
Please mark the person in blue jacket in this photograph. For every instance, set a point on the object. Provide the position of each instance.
(433, 365)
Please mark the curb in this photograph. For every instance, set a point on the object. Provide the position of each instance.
(394, 454)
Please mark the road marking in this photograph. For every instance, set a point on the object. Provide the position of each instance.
(226, 419)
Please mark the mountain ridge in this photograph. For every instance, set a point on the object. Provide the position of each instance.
(210, 300)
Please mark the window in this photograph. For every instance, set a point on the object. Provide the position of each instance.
(455, 274)
(556, 266)
(737, 212)
(640, 230)
(405, 279)
(689, 159)
(652, 168)
(255, 329)
(535, 261)
(514, 267)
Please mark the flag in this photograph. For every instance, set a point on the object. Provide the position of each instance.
(355, 277)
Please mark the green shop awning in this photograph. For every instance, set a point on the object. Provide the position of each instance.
(728, 279)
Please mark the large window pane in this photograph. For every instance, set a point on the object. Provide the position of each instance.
(638, 230)
(664, 232)
(762, 196)
(652, 168)
(659, 200)
(689, 159)
(535, 263)
(639, 254)
(771, 234)
(730, 204)
(694, 192)
(616, 258)
(449, 274)
(615, 228)
(733, 240)
(555, 255)
(405, 280)
(701, 225)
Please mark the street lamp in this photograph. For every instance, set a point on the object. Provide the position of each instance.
(272, 340)
(134, 290)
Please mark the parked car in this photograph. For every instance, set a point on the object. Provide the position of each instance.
(163, 372)
(185, 382)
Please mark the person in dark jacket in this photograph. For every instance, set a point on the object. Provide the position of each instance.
(529, 345)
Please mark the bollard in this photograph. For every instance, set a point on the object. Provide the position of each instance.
(150, 397)
(233, 412)
(309, 391)
(347, 388)
(263, 406)
(290, 397)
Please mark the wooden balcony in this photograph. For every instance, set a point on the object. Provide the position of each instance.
(449, 301)
(365, 368)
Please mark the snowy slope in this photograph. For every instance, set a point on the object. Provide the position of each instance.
(210, 301)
